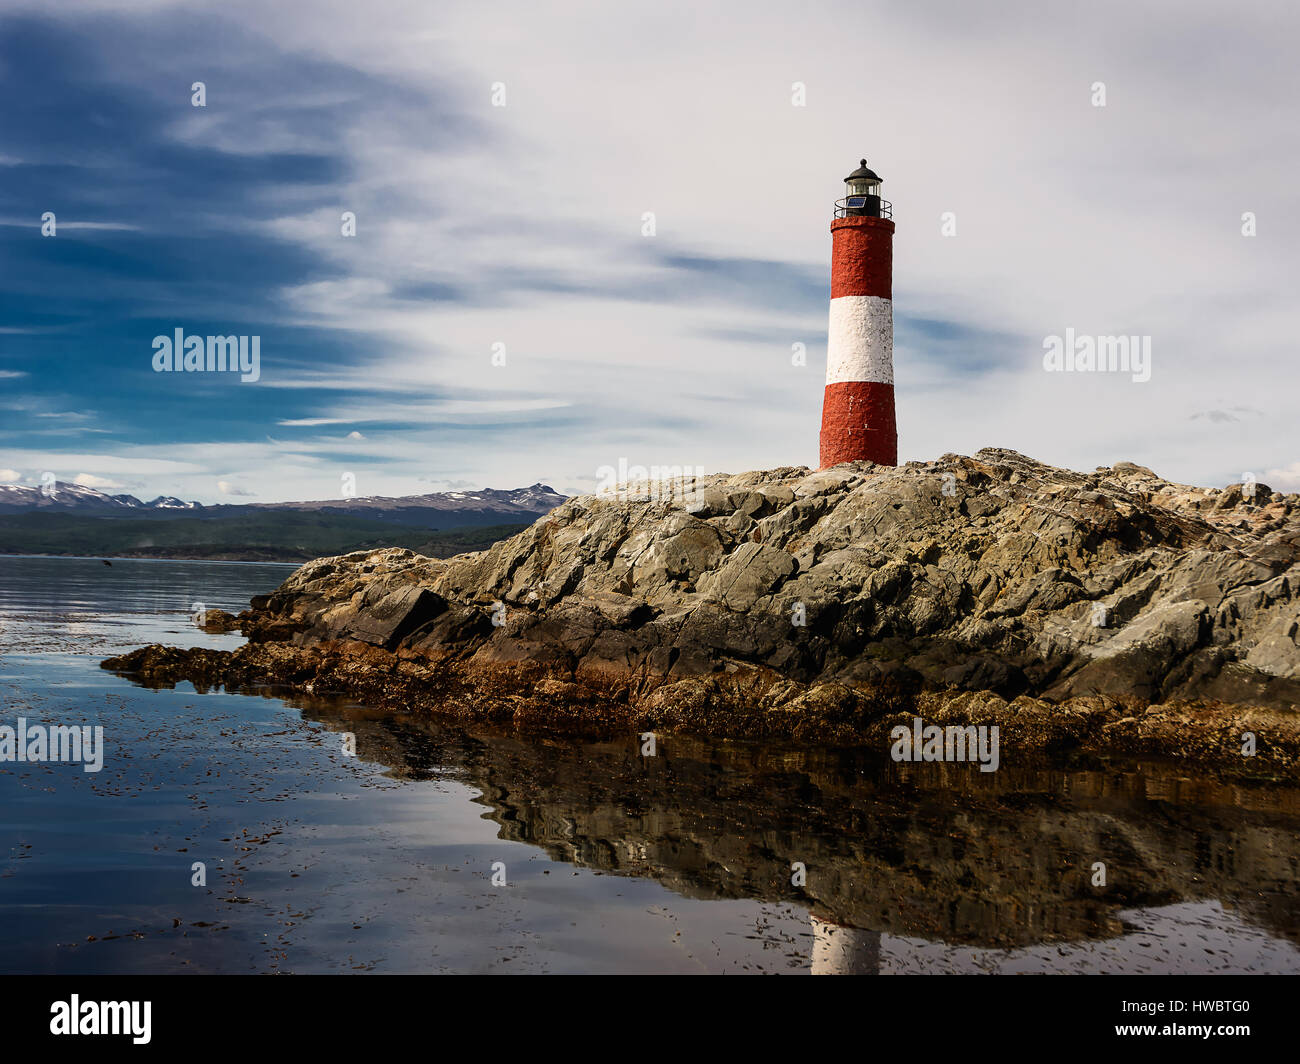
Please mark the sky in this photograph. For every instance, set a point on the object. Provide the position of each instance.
(505, 313)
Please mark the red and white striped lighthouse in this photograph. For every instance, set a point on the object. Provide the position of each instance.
(858, 409)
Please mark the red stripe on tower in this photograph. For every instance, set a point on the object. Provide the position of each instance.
(858, 408)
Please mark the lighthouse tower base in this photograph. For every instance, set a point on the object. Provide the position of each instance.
(858, 424)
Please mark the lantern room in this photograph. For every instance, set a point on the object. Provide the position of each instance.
(862, 196)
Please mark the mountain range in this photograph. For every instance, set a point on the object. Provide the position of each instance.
(440, 510)
(78, 520)
(76, 498)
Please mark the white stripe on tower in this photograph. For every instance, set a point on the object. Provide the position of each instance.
(860, 340)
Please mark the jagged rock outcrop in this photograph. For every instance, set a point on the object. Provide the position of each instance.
(1115, 595)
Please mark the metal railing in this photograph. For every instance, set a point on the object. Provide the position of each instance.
(843, 210)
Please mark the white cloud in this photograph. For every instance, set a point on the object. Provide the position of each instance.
(10, 476)
(88, 480)
(1284, 480)
(227, 488)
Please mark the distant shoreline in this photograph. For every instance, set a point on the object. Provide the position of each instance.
(295, 538)
(151, 558)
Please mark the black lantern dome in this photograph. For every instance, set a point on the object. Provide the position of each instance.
(863, 173)
(862, 196)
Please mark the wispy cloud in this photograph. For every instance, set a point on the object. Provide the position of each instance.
(89, 480)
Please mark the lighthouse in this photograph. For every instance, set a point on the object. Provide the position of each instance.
(858, 408)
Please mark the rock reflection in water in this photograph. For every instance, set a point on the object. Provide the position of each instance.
(935, 852)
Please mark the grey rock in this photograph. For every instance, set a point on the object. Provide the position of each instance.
(991, 571)
(749, 572)
(389, 617)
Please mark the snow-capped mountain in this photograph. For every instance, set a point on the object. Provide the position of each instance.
(445, 510)
(440, 509)
(14, 498)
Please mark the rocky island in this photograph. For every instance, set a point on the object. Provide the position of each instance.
(1111, 613)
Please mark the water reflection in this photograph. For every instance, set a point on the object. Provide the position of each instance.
(929, 851)
(844, 950)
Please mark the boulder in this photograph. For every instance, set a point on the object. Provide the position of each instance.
(390, 618)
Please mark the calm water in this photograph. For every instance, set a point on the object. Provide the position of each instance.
(318, 861)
